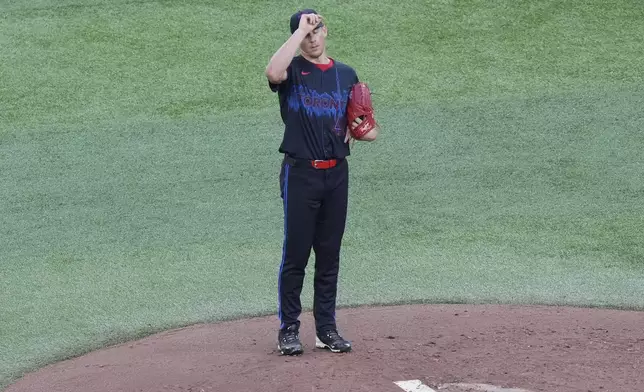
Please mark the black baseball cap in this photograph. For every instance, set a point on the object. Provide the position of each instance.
(295, 18)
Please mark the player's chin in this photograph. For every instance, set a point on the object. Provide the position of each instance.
(315, 53)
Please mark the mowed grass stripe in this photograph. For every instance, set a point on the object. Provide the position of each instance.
(76, 64)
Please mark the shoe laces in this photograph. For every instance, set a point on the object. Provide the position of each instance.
(333, 335)
(289, 336)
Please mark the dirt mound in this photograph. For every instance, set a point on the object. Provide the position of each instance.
(532, 348)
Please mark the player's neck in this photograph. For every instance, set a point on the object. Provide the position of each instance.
(323, 59)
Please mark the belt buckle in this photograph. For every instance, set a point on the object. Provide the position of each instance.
(316, 162)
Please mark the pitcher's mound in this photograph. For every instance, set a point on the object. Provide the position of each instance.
(532, 348)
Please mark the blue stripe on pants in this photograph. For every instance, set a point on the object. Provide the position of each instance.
(279, 277)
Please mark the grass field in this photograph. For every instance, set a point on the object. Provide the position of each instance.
(139, 164)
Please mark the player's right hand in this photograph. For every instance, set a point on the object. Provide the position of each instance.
(308, 22)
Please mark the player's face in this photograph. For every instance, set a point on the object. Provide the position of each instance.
(313, 44)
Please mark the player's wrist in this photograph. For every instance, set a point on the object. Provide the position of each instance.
(300, 33)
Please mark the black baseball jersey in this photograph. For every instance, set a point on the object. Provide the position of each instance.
(313, 105)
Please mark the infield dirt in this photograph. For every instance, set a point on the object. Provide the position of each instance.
(536, 348)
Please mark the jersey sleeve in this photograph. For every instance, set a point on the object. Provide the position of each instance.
(276, 87)
(353, 76)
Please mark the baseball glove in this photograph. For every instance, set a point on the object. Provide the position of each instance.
(360, 114)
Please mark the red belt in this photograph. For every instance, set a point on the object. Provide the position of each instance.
(322, 164)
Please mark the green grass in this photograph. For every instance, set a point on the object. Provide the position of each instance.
(138, 147)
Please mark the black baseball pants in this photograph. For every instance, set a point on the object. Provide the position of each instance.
(315, 210)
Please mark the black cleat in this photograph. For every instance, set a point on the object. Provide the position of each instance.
(288, 341)
(332, 341)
